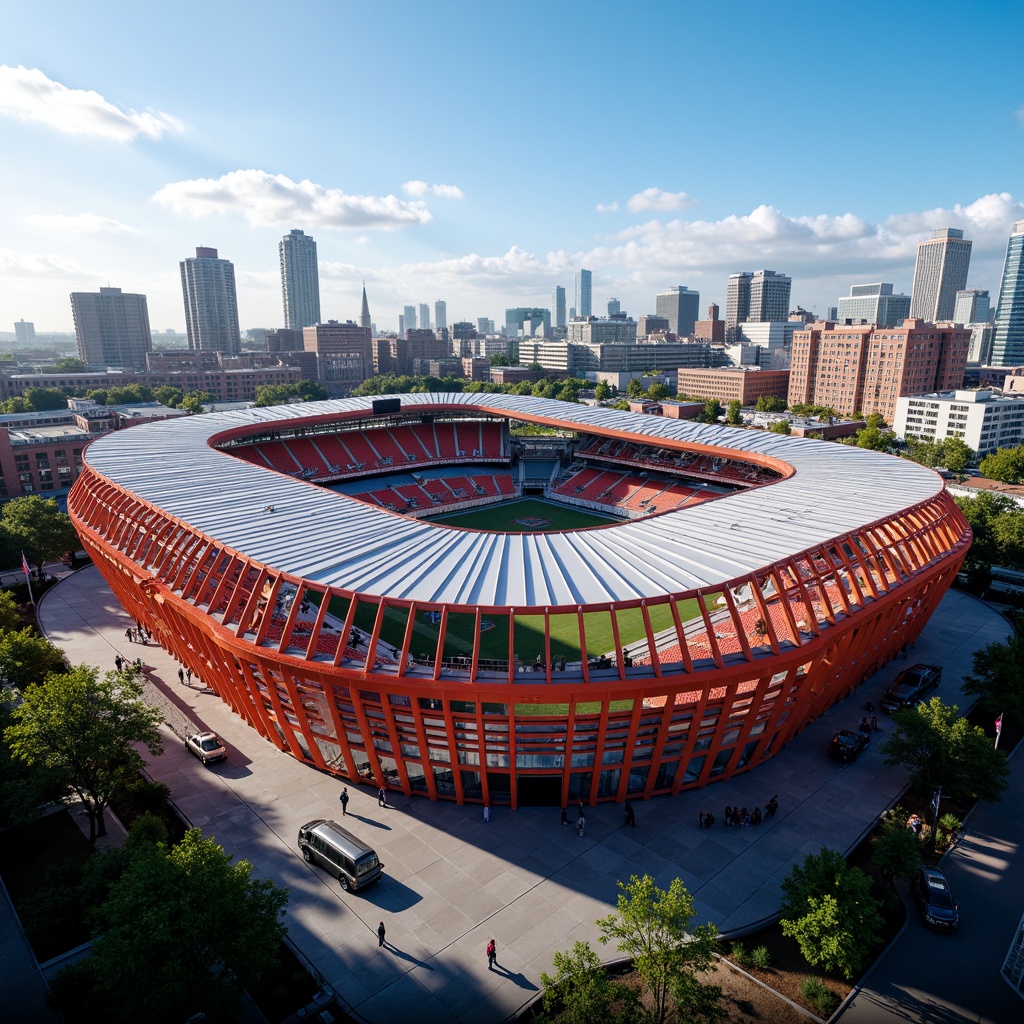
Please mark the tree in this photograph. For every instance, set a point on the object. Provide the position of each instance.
(770, 403)
(27, 658)
(996, 679)
(130, 393)
(603, 391)
(37, 528)
(734, 413)
(580, 992)
(169, 396)
(24, 788)
(69, 364)
(1005, 464)
(712, 411)
(41, 399)
(15, 404)
(652, 927)
(86, 728)
(828, 908)
(657, 392)
(875, 438)
(194, 402)
(983, 512)
(281, 394)
(781, 427)
(500, 359)
(943, 751)
(957, 454)
(208, 930)
(894, 848)
(635, 389)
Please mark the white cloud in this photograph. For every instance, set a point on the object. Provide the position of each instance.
(606, 207)
(421, 188)
(80, 223)
(659, 200)
(20, 264)
(28, 95)
(270, 200)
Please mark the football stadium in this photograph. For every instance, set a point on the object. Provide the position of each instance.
(512, 600)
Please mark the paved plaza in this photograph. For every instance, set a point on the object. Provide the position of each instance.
(453, 881)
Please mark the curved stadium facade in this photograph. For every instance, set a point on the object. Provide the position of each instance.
(754, 580)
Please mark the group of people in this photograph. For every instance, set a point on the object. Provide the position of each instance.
(122, 663)
(140, 635)
(740, 817)
(185, 674)
(868, 724)
(581, 820)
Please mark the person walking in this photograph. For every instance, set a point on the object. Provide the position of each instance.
(344, 801)
(565, 817)
(630, 816)
(119, 661)
(382, 797)
(380, 934)
(487, 812)
(128, 635)
(492, 954)
(181, 676)
(188, 677)
(579, 827)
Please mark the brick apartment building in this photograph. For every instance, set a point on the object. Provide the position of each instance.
(745, 384)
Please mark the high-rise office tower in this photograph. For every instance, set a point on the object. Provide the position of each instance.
(762, 295)
(484, 326)
(410, 318)
(364, 311)
(401, 325)
(1008, 344)
(940, 272)
(681, 307)
(973, 306)
(211, 303)
(112, 328)
(875, 304)
(558, 305)
(300, 280)
(424, 316)
(583, 286)
(25, 332)
(614, 307)
(440, 315)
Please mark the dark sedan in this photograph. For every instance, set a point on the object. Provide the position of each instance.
(934, 901)
(912, 685)
(847, 746)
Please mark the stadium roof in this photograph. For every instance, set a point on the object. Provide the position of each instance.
(325, 537)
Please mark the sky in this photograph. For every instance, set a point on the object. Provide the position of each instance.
(481, 153)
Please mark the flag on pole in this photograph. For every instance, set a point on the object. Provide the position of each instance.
(999, 725)
(24, 565)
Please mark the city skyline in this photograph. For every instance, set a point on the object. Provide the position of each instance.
(126, 160)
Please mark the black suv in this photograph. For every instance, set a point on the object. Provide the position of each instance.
(935, 901)
(912, 685)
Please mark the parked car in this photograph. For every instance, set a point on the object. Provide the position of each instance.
(847, 746)
(912, 685)
(934, 900)
(206, 746)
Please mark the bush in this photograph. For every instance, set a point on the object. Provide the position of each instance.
(739, 953)
(949, 825)
(820, 996)
(760, 957)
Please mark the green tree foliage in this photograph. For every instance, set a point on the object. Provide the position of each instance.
(281, 394)
(69, 364)
(657, 392)
(635, 389)
(15, 405)
(770, 403)
(41, 399)
(781, 427)
(603, 391)
(894, 847)
(169, 396)
(943, 751)
(712, 411)
(195, 401)
(1005, 464)
(997, 679)
(129, 394)
(500, 359)
(622, 405)
(86, 727)
(876, 438)
(998, 524)
(27, 658)
(827, 906)
(580, 991)
(953, 453)
(36, 527)
(652, 927)
(24, 787)
(821, 412)
(957, 454)
(734, 412)
(182, 931)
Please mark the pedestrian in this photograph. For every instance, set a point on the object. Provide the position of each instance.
(138, 625)
(382, 797)
(188, 677)
(700, 820)
(149, 634)
(579, 807)
(874, 723)
(774, 805)
(579, 827)
(630, 814)
(344, 800)
(119, 661)
(380, 934)
(181, 676)
(728, 815)
(128, 635)
(565, 817)
(487, 812)
(492, 954)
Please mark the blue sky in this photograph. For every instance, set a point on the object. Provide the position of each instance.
(480, 152)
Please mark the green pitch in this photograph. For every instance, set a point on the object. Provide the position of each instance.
(501, 517)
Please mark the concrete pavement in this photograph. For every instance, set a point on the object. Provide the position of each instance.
(453, 881)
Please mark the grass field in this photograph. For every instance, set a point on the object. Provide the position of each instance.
(502, 517)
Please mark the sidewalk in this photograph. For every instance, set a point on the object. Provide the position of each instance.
(453, 881)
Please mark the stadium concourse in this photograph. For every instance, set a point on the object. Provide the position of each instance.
(290, 558)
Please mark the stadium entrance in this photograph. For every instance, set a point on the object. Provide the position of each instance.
(539, 790)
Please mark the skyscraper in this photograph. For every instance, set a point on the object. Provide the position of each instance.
(583, 303)
(440, 315)
(424, 316)
(762, 295)
(1008, 345)
(681, 307)
(972, 306)
(211, 303)
(874, 303)
(300, 280)
(410, 318)
(112, 328)
(558, 305)
(614, 307)
(940, 272)
(25, 332)
(364, 311)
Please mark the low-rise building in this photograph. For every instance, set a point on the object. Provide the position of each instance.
(745, 384)
(984, 420)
